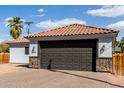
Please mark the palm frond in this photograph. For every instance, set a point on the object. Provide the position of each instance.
(16, 27)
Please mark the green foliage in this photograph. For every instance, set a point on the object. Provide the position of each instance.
(16, 27)
(116, 43)
(4, 48)
(122, 44)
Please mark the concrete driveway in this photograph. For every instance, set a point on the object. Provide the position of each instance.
(22, 77)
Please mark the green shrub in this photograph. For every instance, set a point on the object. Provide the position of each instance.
(4, 48)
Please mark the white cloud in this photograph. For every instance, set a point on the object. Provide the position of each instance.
(117, 25)
(23, 20)
(7, 19)
(4, 37)
(40, 10)
(1, 40)
(48, 24)
(4, 40)
(39, 15)
(107, 11)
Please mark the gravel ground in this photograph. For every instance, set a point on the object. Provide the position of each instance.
(19, 76)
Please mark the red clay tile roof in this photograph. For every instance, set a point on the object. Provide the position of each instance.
(73, 29)
(19, 40)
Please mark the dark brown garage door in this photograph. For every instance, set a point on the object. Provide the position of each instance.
(68, 55)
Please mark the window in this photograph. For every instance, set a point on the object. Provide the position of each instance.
(26, 50)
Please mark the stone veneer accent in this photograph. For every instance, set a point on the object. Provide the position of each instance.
(34, 62)
(104, 64)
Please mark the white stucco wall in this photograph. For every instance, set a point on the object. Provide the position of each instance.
(17, 54)
(104, 42)
(105, 47)
(33, 47)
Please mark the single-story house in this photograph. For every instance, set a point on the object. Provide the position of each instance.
(71, 47)
(19, 51)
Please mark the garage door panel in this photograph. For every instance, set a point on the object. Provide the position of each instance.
(68, 59)
(68, 55)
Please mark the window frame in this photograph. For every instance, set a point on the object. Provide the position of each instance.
(26, 50)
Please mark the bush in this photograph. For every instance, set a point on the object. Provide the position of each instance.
(122, 44)
(4, 48)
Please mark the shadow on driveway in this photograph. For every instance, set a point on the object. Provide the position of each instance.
(25, 65)
(88, 78)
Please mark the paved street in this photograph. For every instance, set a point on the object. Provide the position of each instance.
(22, 77)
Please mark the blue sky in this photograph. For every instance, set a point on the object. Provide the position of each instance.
(47, 17)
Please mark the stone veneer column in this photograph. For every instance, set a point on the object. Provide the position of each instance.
(34, 62)
(104, 64)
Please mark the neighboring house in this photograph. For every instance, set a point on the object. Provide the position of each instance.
(72, 47)
(19, 51)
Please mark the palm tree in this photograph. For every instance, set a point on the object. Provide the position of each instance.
(16, 27)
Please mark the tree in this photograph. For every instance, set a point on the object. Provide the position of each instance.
(116, 43)
(16, 27)
(4, 48)
(122, 44)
